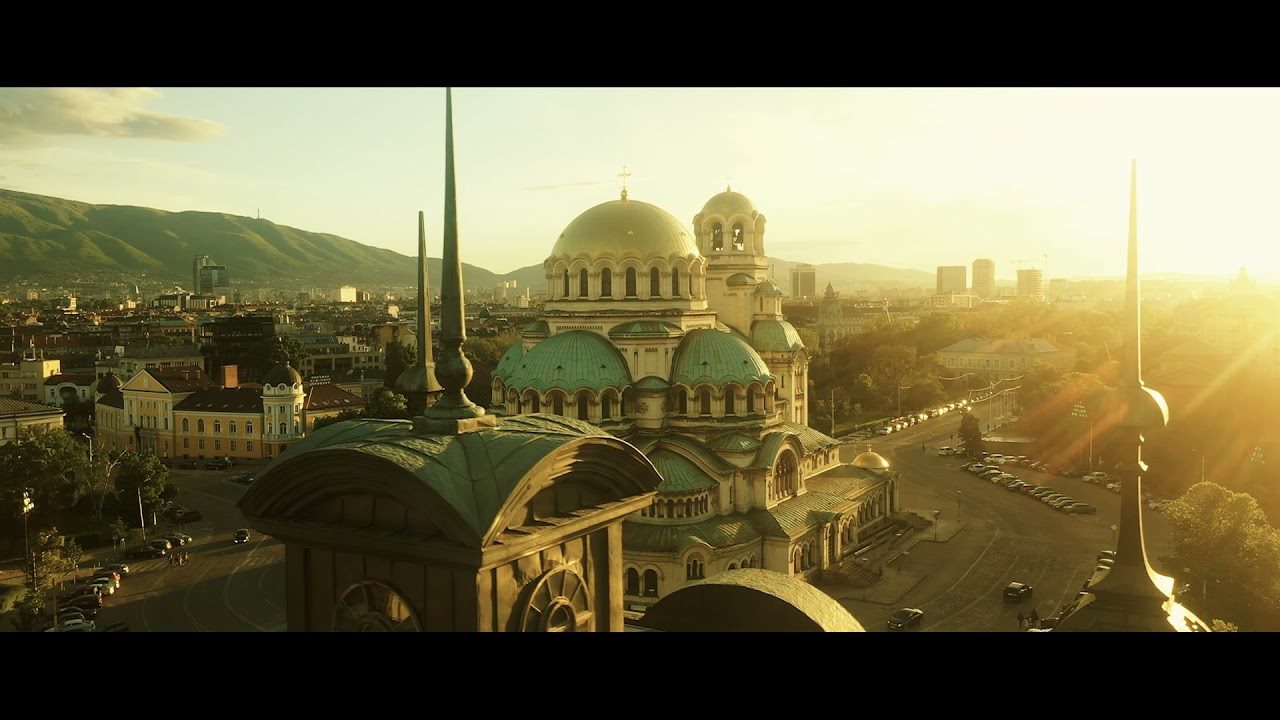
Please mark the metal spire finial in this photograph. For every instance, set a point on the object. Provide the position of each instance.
(624, 175)
(453, 410)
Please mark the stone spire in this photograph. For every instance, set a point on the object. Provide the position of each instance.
(1131, 596)
(418, 383)
(453, 412)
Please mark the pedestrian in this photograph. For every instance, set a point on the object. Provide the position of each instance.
(1022, 620)
(1034, 618)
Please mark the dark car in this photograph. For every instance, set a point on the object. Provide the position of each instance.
(88, 611)
(189, 516)
(146, 551)
(904, 618)
(1016, 591)
(217, 464)
(189, 465)
(241, 536)
(244, 477)
(93, 600)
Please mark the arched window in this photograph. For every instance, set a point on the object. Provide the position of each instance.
(655, 289)
(284, 429)
(606, 407)
(717, 237)
(631, 282)
(675, 282)
(751, 401)
(217, 426)
(231, 427)
(704, 400)
(728, 401)
(566, 285)
(682, 402)
(606, 283)
(633, 581)
(557, 404)
(583, 409)
(535, 404)
(248, 427)
(693, 569)
(186, 426)
(739, 240)
(582, 283)
(200, 425)
(650, 583)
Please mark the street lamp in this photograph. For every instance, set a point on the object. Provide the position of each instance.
(958, 495)
(935, 524)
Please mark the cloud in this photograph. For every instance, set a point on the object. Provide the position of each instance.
(29, 115)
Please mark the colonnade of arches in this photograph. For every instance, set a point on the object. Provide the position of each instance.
(786, 476)
(706, 400)
(640, 584)
(804, 556)
(677, 508)
(627, 279)
(746, 562)
(587, 405)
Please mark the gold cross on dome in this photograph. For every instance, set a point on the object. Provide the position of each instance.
(728, 184)
(624, 175)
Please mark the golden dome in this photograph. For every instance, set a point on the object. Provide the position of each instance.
(625, 228)
(729, 203)
(871, 460)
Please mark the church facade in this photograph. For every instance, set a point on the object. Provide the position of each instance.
(674, 340)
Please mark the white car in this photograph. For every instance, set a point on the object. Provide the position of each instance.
(884, 430)
(105, 585)
(76, 625)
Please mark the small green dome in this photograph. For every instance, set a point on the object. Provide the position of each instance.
(707, 355)
(729, 203)
(570, 361)
(740, 279)
(510, 360)
(769, 289)
(678, 473)
(625, 228)
(646, 327)
(775, 335)
(736, 442)
(652, 383)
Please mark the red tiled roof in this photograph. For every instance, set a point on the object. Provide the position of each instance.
(330, 397)
(181, 379)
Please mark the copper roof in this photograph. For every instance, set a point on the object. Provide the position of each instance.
(22, 407)
(227, 400)
(181, 379)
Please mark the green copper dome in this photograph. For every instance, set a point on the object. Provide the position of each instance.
(511, 359)
(769, 289)
(678, 473)
(570, 361)
(730, 203)
(707, 355)
(775, 335)
(625, 228)
(740, 279)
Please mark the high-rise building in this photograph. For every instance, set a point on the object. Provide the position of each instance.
(199, 262)
(952, 279)
(984, 278)
(344, 294)
(1031, 283)
(804, 282)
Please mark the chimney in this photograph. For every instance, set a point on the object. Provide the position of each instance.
(230, 376)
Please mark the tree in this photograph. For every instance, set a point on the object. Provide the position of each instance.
(810, 338)
(397, 361)
(95, 477)
(487, 351)
(349, 414)
(145, 478)
(266, 354)
(386, 403)
(45, 460)
(971, 435)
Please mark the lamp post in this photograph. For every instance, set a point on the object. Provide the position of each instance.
(959, 493)
(935, 524)
(27, 507)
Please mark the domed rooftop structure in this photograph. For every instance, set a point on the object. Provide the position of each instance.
(730, 203)
(570, 361)
(769, 288)
(871, 460)
(776, 335)
(282, 374)
(706, 355)
(108, 383)
(626, 228)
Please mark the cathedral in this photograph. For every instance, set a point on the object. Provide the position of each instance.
(674, 340)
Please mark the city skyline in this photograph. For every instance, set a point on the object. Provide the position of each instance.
(903, 177)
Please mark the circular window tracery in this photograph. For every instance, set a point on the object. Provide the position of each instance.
(559, 602)
(371, 606)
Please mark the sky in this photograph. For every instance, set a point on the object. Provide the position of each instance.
(912, 177)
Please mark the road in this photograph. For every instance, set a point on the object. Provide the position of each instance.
(992, 536)
(224, 587)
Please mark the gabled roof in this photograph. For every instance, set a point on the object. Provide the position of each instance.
(22, 407)
(112, 398)
(331, 397)
(228, 400)
(180, 379)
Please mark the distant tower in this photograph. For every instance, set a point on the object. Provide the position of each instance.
(952, 279)
(1031, 283)
(984, 278)
(200, 261)
(804, 282)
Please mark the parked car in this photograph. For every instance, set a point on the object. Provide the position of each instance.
(109, 574)
(143, 552)
(189, 465)
(92, 600)
(122, 568)
(1017, 591)
(243, 478)
(946, 450)
(178, 538)
(161, 544)
(217, 464)
(189, 516)
(88, 612)
(905, 618)
(1084, 508)
(65, 614)
(73, 626)
(105, 585)
(1094, 477)
(241, 536)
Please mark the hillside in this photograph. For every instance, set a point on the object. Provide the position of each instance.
(42, 235)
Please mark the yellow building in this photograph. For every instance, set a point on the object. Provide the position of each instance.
(995, 360)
